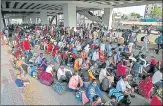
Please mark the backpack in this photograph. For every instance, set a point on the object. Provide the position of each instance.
(60, 88)
(19, 83)
(142, 38)
(32, 71)
(78, 96)
(119, 96)
(105, 84)
(68, 75)
(85, 76)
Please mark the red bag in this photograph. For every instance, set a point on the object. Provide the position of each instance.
(155, 101)
(46, 78)
(145, 87)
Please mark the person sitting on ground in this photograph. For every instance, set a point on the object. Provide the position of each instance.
(61, 74)
(43, 64)
(157, 76)
(93, 90)
(137, 69)
(124, 87)
(126, 51)
(152, 66)
(96, 101)
(105, 74)
(49, 68)
(113, 101)
(143, 58)
(75, 83)
(39, 59)
(121, 69)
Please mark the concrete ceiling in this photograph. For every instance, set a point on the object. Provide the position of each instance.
(56, 7)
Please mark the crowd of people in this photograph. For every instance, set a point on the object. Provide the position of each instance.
(95, 63)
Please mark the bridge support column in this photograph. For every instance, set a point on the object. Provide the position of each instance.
(69, 11)
(33, 19)
(1, 20)
(107, 19)
(44, 17)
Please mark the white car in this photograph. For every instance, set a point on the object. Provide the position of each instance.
(155, 32)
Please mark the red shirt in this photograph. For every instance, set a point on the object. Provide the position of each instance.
(26, 45)
(121, 70)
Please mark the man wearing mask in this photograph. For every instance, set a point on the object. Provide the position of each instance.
(93, 90)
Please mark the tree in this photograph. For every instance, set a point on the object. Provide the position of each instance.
(135, 15)
(156, 13)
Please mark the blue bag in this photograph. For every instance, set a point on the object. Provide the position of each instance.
(60, 88)
(32, 71)
(19, 83)
(78, 96)
(116, 93)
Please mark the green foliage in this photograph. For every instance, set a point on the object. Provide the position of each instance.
(156, 13)
(136, 15)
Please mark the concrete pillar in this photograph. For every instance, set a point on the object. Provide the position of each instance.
(44, 17)
(33, 19)
(69, 11)
(1, 19)
(107, 18)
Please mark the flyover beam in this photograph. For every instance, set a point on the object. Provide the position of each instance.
(29, 10)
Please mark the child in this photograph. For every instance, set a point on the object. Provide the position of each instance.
(96, 101)
(113, 101)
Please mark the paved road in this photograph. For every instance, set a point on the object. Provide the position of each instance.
(36, 93)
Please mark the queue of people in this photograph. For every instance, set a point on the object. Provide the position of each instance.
(90, 56)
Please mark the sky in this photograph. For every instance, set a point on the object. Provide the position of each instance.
(128, 10)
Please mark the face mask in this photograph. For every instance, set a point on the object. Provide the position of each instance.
(94, 85)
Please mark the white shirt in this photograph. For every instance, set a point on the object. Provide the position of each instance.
(102, 75)
(49, 69)
(62, 72)
(86, 48)
(157, 77)
(102, 46)
(38, 60)
(145, 62)
(122, 86)
(146, 39)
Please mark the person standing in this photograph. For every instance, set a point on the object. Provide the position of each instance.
(145, 42)
(26, 46)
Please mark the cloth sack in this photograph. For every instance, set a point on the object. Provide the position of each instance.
(59, 87)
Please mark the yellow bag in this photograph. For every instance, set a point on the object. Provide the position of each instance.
(18, 72)
(91, 75)
(76, 65)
